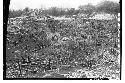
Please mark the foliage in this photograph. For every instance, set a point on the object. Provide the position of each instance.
(105, 6)
(109, 7)
(15, 13)
(87, 9)
(39, 46)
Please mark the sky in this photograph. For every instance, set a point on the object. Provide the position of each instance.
(21, 4)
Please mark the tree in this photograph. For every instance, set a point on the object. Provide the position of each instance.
(108, 7)
(70, 11)
(87, 9)
(15, 13)
(53, 11)
(26, 11)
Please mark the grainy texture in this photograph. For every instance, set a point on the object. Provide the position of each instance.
(42, 46)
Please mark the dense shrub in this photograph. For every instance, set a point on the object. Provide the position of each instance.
(109, 7)
(15, 13)
(38, 46)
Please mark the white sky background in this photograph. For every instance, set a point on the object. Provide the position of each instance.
(21, 4)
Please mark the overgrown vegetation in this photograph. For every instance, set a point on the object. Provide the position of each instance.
(37, 47)
(105, 6)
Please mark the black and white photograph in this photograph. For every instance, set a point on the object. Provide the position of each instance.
(62, 40)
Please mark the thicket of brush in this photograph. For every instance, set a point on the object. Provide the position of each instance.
(34, 47)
